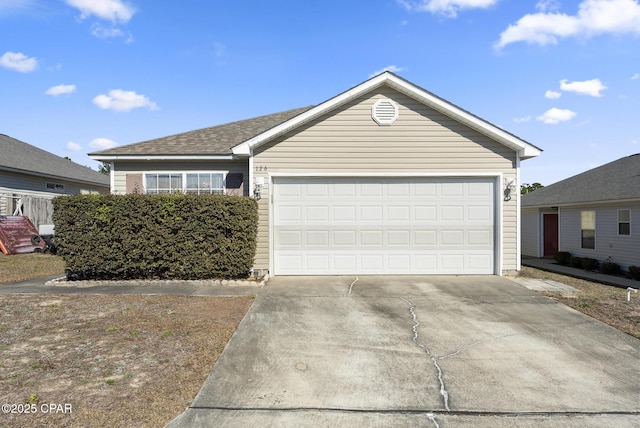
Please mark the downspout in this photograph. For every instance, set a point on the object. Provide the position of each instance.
(518, 219)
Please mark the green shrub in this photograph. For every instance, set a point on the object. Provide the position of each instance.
(562, 257)
(610, 268)
(575, 262)
(156, 236)
(634, 272)
(590, 264)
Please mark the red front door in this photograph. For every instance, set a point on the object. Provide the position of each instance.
(550, 225)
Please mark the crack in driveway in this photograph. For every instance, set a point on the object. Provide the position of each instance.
(434, 359)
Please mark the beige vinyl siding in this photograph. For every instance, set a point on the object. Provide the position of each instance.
(122, 168)
(624, 250)
(421, 141)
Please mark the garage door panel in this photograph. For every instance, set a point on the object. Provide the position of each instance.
(383, 225)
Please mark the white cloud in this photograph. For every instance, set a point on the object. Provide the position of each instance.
(545, 5)
(635, 76)
(556, 115)
(592, 87)
(60, 90)
(106, 33)
(594, 17)
(552, 95)
(18, 61)
(6, 5)
(120, 100)
(74, 146)
(110, 10)
(391, 68)
(102, 143)
(522, 119)
(449, 8)
(634, 142)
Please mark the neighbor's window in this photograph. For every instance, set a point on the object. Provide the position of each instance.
(55, 186)
(163, 183)
(205, 182)
(624, 222)
(588, 229)
(185, 182)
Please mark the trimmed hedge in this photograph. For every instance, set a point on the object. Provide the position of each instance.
(562, 257)
(156, 236)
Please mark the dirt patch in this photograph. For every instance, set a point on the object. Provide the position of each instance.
(120, 361)
(602, 302)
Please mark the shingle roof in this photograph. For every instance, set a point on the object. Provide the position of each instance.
(17, 155)
(215, 140)
(617, 180)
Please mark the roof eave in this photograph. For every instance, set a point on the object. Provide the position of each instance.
(112, 158)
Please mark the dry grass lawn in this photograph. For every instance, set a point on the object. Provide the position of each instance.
(602, 302)
(116, 360)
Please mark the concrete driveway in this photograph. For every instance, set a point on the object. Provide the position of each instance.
(418, 351)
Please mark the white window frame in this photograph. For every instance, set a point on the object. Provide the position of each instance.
(184, 174)
(624, 222)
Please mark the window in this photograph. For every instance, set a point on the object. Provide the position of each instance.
(163, 183)
(624, 222)
(588, 229)
(184, 182)
(55, 186)
(200, 183)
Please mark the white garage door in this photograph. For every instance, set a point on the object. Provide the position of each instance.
(334, 226)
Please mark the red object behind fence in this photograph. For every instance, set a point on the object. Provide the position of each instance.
(18, 235)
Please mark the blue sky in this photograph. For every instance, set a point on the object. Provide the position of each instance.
(77, 76)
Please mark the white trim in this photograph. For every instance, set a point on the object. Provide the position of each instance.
(499, 220)
(112, 158)
(525, 149)
(251, 185)
(518, 217)
(112, 178)
(498, 203)
(386, 174)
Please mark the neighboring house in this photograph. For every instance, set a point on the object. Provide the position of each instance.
(30, 177)
(594, 214)
(385, 178)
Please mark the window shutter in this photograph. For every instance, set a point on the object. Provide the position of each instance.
(134, 183)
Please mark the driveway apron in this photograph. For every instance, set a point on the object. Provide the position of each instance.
(420, 351)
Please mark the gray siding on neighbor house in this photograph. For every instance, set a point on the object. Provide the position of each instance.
(422, 141)
(530, 232)
(122, 168)
(624, 250)
(28, 182)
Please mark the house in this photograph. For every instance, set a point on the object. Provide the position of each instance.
(595, 214)
(30, 177)
(384, 178)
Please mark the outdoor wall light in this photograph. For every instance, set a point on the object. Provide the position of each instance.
(257, 187)
(509, 186)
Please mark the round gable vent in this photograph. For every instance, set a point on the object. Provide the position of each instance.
(384, 112)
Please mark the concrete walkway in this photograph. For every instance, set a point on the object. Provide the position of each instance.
(550, 265)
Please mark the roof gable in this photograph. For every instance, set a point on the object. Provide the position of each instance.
(525, 149)
(19, 156)
(616, 181)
